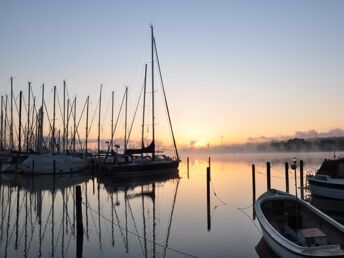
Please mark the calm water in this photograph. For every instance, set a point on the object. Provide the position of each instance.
(158, 218)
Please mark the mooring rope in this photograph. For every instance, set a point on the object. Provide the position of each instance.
(135, 234)
(251, 220)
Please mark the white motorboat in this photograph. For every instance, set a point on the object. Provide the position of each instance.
(328, 180)
(294, 228)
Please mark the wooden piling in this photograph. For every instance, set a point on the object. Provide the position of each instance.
(79, 226)
(301, 179)
(268, 175)
(188, 167)
(287, 177)
(253, 182)
(253, 189)
(209, 162)
(208, 199)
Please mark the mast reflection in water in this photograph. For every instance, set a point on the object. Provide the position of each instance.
(119, 217)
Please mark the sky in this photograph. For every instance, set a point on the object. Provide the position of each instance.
(232, 70)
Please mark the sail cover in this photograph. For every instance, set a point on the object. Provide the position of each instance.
(149, 149)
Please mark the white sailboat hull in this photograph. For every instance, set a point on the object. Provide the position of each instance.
(44, 164)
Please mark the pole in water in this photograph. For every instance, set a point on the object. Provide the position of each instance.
(187, 162)
(254, 182)
(209, 162)
(301, 179)
(208, 200)
(268, 175)
(287, 177)
(253, 188)
(33, 167)
(54, 168)
(79, 225)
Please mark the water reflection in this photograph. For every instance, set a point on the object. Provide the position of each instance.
(38, 216)
(178, 215)
(36, 213)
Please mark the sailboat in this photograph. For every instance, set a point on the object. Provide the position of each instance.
(143, 161)
(41, 163)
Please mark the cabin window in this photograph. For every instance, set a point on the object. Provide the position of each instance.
(341, 170)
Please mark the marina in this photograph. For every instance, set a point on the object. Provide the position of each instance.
(144, 217)
(171, 129)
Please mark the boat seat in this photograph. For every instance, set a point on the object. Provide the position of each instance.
(312, 237)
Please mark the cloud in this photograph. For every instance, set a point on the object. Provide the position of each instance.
(336, 132)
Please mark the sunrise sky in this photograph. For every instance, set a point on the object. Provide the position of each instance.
(232, 69)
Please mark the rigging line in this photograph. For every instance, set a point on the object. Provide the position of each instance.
(171, 216)
(246, 207)
(94, 114)
(212, 185)
(58, 235)
(137, 105)
(213, 213)
(114, 129)
(251, 220)
(120, 228)
(139, 59)
(261, 173)
(46, 224)
(135, 226)
(46, 110)
(120, 110)
(59, 104)
(106, 111)
(133, 233)
(14, 226)
(164, 93)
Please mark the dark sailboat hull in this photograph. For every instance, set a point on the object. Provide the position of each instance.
(146, 169)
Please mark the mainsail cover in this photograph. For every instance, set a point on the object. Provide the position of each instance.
(149, 149)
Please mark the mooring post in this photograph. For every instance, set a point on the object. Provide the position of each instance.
(79, 226)
(268, 175)
(187, 163)
(253, 188)
(287, 177)
(208, 199)
(301, 179)
(209, 162)
(254, 182)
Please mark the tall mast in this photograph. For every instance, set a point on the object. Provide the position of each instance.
(144, 109)
(20, 122)
(64, 118)
(126, 118)
(153, 118)
(86, 141)
(67, 124)
(11, 123)
(74, 127)
(5, 126)
(28, 117)
(99, 117)
(53, 131)
(40, 124)
(112, 102)
(2, 124)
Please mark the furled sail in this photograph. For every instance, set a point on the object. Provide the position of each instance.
(149, 149)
